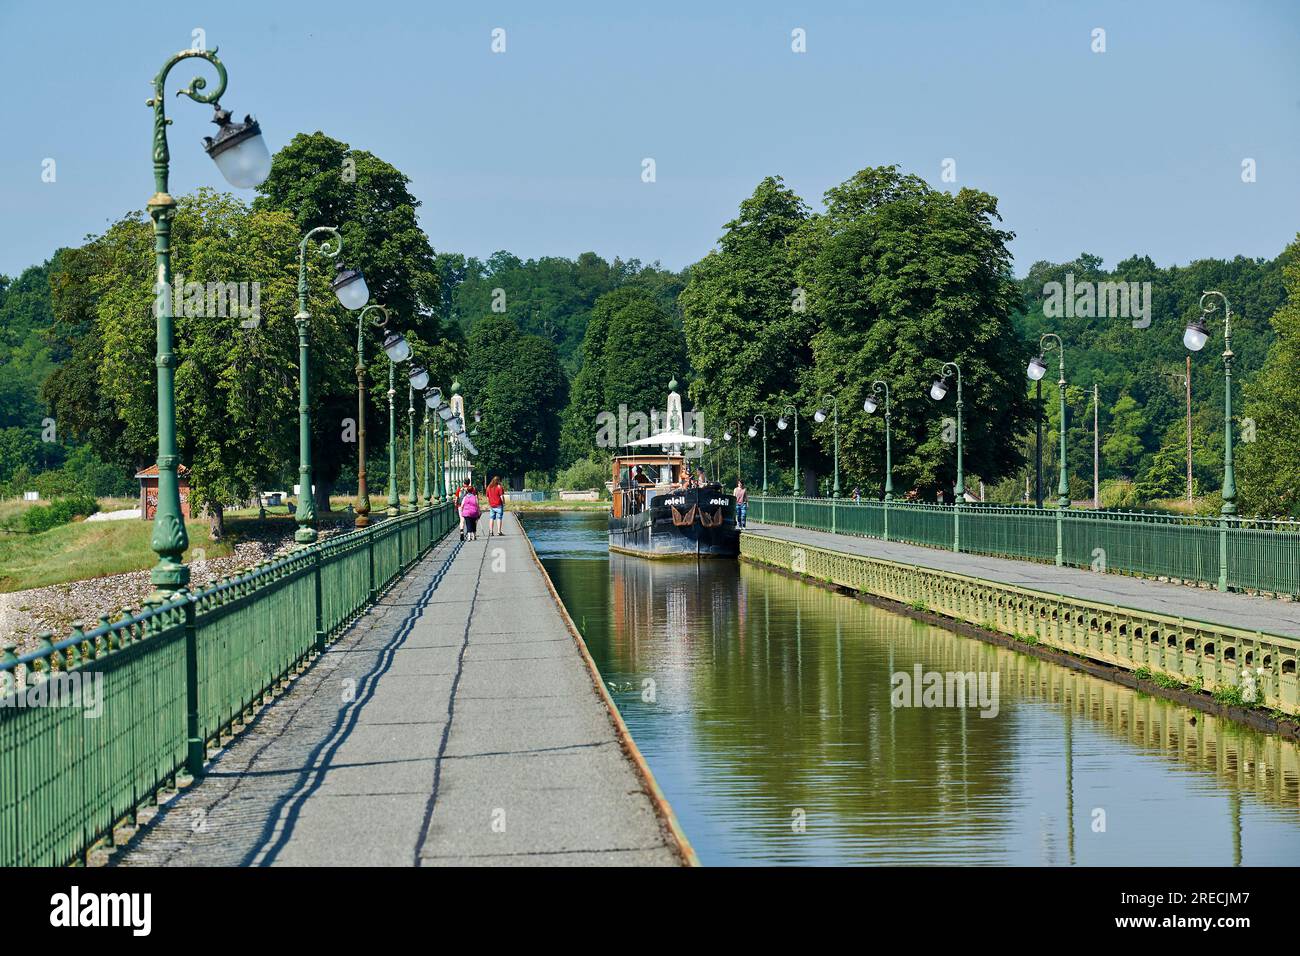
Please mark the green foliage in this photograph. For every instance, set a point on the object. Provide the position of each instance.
(236, 388)
(1140, 370)
(518, 383)
(901, 278)
(1166, 475)
(1230, 696)
(1268, 467)
(644, 350)
(59, 512)
(584, 474)
(1118, 493)
(551, 297)
(321, 181)
(1122, 447)
(748, 331)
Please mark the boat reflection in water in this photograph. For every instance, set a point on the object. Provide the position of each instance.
(765, 707)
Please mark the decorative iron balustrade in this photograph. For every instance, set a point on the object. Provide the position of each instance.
(168, 679)
(1230, 553)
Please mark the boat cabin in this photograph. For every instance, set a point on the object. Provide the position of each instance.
(634, 475)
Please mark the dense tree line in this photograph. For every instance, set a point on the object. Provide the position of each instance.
(887, 280)
(890, 281)
(1139, 371)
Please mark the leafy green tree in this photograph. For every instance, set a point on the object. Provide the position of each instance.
(902, 277)
(748, 328)
(1166, 475)
(1268, 460)
(644, 350)
(587, 394)
(1122, 446)
(236, 380)
(551, 297)
(519, 384)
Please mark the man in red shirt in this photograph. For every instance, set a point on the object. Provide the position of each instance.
(496, 496)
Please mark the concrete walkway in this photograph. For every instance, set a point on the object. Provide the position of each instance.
(1204, 604)
(455, 723)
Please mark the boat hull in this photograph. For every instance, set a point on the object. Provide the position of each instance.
(689, 523)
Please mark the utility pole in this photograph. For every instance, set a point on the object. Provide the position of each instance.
(1096, 450)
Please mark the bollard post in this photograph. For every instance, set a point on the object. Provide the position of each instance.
(195, 752)
(320, 613)
(370, 543)
(1223, 552)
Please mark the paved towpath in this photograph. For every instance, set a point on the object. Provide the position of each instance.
(1204, 604)
(455, 723)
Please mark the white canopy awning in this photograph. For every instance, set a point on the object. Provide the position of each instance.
(669, 438)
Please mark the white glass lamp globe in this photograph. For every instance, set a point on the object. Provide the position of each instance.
(781, 423)
(239, 150)
(753, 432)
(1037, 368)
(938, 390)
(350, 287)
(433, 397)
(396, 347)
(418, 377)
(869, 406)
(1195, 336)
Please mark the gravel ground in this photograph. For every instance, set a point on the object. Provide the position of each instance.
(24, 615)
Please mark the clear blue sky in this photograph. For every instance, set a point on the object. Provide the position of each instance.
(539, 150)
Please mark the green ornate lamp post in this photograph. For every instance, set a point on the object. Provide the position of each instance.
(1037, 369)
(733, 432)
(395, 346)
(350, 288)
(445, 415)
(393, 503)
(870, 406)
(418, 380)
(938, 390)
(432, 397)
(782, 424)
(819, 416)
(753, 433)
(243, 159)
(1194, 337)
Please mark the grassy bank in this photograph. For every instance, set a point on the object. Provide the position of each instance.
(91, 549)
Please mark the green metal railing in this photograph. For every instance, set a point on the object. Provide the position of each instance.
(96, 725)
(1233, 554)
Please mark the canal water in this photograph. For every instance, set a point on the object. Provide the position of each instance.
(766, 710)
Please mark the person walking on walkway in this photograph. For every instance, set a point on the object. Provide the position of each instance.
(460, 495)
(496, 496)
(469, 512)
(742, 502)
